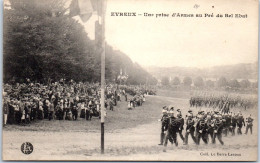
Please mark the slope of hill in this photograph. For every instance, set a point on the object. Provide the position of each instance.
(237, 71)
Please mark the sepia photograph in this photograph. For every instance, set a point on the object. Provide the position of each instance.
(133, 80)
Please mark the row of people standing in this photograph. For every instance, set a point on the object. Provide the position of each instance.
(26, 102)
(17, 112)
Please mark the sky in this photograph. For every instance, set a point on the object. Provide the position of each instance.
(187, 42)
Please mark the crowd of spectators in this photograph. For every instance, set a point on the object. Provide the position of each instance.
(24, 103)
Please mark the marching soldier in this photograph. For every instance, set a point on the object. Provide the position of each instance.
(233, 124)
(249, 124)
(190, 129)
(165, 121)
(210, 125)
(201, 129)
(223, 119)
(180, 122)
(227, 123)
(171, 132)
(240, 123)
(218, 126)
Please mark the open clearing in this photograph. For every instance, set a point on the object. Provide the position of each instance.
(129, 135)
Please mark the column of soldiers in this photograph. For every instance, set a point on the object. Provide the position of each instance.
(223, 102)
(201, 126)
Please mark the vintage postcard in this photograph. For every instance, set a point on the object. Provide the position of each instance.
(133, 80)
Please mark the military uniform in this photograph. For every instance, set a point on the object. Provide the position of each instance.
(210, 129)
(164, 126)
(227, 124)
(240, 123)
(249, 124)
(201, 129)
(233, 124)
(180, 124)
(218, 127)
(190, 129)
(171, 131)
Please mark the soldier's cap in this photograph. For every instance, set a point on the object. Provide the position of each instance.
(171, 112)
(178, 110)
(190, 111)
(171, 106)
(164, 111)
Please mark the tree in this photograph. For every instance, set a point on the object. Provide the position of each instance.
(187, 81)
(42, 42)
(254, 84)
(245, 83)
(198, 82)
(234, 83)
(222, 82)
(176, 81)
(165, 80)
(209, 83)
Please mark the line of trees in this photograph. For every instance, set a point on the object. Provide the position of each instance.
(42, 42)
(199, 82)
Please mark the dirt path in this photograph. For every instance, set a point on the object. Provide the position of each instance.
(138, 143)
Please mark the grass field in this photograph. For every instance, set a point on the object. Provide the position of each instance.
(175, 94)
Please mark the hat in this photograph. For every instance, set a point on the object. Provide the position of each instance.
(178, 115)
(171, 106)
(171, 113)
